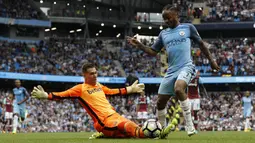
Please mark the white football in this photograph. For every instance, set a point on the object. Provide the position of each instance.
(151, 128)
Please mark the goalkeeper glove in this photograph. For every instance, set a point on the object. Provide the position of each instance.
(38, 92)
(135, 88)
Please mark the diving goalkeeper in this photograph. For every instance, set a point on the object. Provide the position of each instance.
(92, 96)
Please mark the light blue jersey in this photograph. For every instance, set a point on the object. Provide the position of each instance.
(19, 94)
(177, 42)
(247, 102)
(247, 106)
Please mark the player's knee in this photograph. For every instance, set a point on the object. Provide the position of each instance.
(179, 91)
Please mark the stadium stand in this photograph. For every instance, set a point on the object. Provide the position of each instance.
(69, 57)
(229, 11)
(222, 111)
(21, 57)
(235, 56)
(146, 66)
(57, 58)
(19, 9)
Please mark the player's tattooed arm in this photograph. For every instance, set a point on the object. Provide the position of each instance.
(205, 49)
(141, 46)
(147, 50)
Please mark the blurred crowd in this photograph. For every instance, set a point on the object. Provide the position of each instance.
(23, 58)
(228, 10)
(223, 112)
(235, 56)
(55, 58)
(214, 11)
(210, 11)
(65, 57)
(19, 9)
(68, 57)
(138, 63)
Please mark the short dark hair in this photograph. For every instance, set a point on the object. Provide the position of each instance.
(171, 8)
(86, 66)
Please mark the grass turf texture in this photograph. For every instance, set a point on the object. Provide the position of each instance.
(176, 137)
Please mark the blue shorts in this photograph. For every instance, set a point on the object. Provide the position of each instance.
(247, 113)
(186, 73)
(20, 110)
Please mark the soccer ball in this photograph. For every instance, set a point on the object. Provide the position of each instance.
(151, 128)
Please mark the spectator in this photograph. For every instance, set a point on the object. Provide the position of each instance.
(226, 10)
(65, 57)
(18, 9)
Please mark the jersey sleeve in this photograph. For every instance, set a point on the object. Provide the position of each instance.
(158, 45)
(115, 91)
(70, 93)
(194, 34)
(25, 92)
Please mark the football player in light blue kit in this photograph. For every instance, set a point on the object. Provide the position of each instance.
(20, 97)
(176, 39)
(247, 107)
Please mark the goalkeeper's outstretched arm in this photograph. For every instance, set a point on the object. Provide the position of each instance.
(134, 88)
(38, 92)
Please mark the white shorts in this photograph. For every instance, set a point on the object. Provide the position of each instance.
(142, 115)
(8, 115)
(195, 104)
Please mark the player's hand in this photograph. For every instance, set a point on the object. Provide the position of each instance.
(132, 41)
(215, 66)
(38, 92)
(135, 88)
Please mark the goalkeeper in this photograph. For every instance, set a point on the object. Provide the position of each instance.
(92, 96)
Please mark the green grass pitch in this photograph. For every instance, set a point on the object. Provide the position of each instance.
(176, 137)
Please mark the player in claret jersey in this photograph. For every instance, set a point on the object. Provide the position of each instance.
(8, 107)
(194, 98)
(142, 107)
(92, 96)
